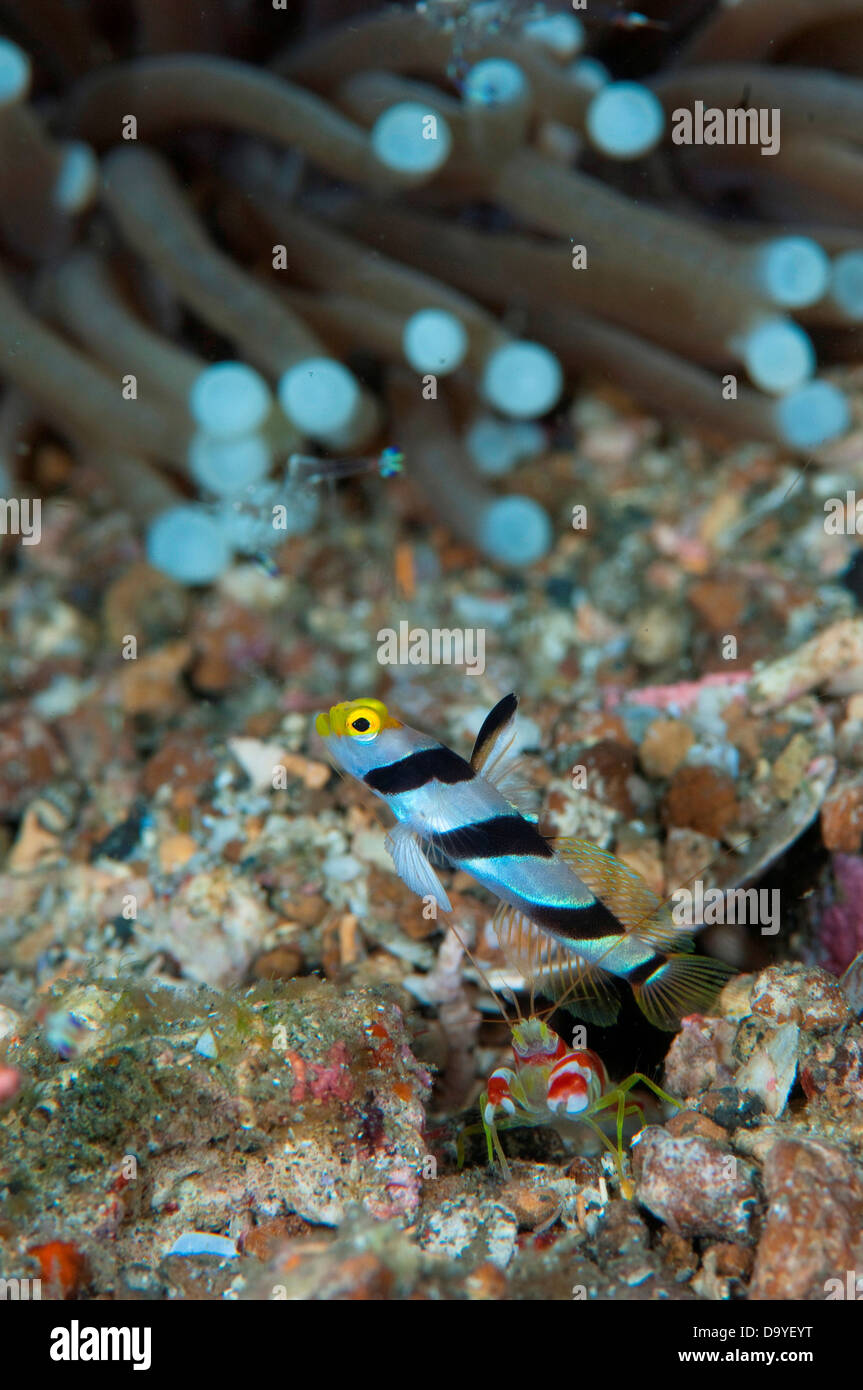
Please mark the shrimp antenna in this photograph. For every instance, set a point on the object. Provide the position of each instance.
(486, 981)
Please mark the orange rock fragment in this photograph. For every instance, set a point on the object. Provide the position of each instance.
(62, 1266)
(842, 817)
(314, 775)
(815, 1210)
(487, 1282)
(284, 962)
(144, 602)
(665, 746)
(30, 758)
(609, 766)
(686, 1122)
(718, 603)
(263, 1242)
(34, 848)
(175, 851)
(703, 799)
(150, 685)
(733, 1261)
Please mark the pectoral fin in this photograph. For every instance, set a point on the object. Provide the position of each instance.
(413, 867)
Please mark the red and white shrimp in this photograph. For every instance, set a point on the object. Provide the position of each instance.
(552, 1085)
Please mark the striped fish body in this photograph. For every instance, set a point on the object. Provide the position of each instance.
(555, 923)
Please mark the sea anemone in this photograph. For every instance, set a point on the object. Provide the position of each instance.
(414, 228)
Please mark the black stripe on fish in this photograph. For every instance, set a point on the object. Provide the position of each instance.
(493, 839)
(589, 922)
(410, 773)
(642, 972)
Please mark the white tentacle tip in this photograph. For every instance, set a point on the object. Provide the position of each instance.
(515, 530)
(15, 73)
(522, 380)
(410, 138)
(188, 544)
(778, 355)
(625, 120)
(229, 399)
(434, 340)
(319, 395)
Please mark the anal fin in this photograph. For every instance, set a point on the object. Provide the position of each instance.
(554, 968)
(597, 1009)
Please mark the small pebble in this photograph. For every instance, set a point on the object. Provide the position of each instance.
(204, 1243)
(205, 1047)
(175, 851)
(690, 1184)
(659, 635)
(282, 963)
(665, 746)
(701, 799)
(800, 994)
(814, 1215)
(842, 816)
(534, 1207)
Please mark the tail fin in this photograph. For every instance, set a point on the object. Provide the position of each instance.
(681, 985)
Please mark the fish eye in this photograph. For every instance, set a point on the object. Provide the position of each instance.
(364, 724)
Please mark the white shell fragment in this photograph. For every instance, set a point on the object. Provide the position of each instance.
(770, 1071)
(204, 1243)
(852, 983)
(206, 1045)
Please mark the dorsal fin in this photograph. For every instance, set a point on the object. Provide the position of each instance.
(493, 758)
(623, 892)
(494, 739)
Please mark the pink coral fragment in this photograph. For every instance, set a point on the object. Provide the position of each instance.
(841, 931)
(684, 694)
(334, 1079)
